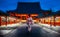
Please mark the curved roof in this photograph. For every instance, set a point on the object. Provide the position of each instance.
(28, 7)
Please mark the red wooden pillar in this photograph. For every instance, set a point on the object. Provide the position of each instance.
(0, 20)
(21, 17)
(26, 16)
(6, 20)
(50, 23)
(44, 20)
(54, 20)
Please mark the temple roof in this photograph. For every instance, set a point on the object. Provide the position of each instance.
(28, 7)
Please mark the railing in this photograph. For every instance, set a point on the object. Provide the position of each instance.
(8, 20)
(51, 20)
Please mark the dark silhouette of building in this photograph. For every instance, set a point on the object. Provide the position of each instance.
(3, 13)
(28, 7)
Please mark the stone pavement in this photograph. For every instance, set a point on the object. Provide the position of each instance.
(54, 28)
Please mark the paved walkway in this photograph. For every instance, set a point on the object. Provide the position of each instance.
(54, 28)
(45, 27)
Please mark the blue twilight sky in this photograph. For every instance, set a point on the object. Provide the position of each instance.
(45, 4)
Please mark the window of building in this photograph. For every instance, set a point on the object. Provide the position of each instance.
(23, 17)
(34, 17)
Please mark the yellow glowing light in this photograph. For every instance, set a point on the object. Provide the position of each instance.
(34, 14)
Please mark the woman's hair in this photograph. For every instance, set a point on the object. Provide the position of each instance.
(29, 15)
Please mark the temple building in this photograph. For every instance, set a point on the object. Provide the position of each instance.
(20, 14)
(25, 8)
